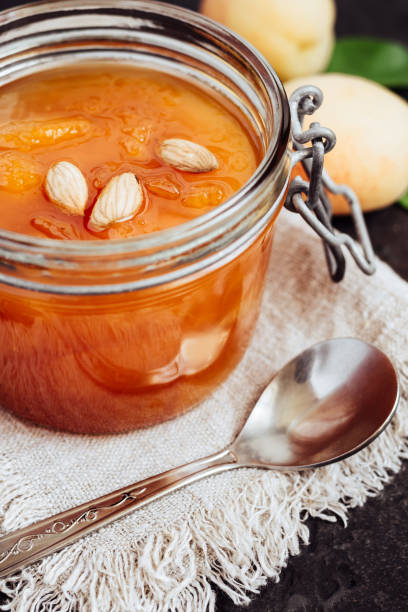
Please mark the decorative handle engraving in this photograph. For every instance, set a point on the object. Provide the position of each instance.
(29, 544)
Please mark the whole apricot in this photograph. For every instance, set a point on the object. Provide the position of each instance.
(295, 36)
(371, 126)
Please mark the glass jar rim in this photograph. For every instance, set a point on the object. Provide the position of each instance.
(16, 247)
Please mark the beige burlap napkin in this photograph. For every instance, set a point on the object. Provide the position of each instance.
(234, 529)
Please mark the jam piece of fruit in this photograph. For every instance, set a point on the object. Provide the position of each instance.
(136, 141)
(28, 135)
(140, 133)
(204, 195)
(123, 352)
(164, 187)
(18, 173)
(135, 148)
(55, 228)
(200, 350)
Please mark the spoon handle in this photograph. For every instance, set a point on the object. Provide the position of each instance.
(24, 546)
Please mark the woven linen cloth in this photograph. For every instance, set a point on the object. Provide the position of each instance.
(234, 529)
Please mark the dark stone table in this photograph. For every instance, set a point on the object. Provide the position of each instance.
(364, 567)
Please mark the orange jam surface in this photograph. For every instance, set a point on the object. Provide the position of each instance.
(109, 119)
(110, 363)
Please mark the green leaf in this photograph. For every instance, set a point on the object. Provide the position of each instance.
(404, 201)
(376, 59)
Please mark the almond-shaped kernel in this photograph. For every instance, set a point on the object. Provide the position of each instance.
(119, 201)
(65, 186)
(187, 155)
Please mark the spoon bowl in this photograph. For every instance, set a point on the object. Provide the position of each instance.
(324, 405)
(329, 402)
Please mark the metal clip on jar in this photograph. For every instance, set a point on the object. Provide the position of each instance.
(106, 336)
(316, 209)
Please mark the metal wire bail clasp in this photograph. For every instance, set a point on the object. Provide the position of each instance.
(316, 208)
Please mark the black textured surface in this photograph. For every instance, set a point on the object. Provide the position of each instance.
(361, 568)
(364, 567)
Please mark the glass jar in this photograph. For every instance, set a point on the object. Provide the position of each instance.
(113, 335)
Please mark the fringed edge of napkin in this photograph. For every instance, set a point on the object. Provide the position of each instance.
(239, 543)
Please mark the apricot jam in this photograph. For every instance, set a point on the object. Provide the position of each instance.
(110, 363)
(107, 122)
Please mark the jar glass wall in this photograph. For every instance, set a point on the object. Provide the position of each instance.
(106, 337)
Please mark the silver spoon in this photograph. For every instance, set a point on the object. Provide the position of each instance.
(326, 404)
